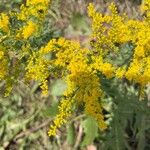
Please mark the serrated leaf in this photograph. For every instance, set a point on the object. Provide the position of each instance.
(90, 129)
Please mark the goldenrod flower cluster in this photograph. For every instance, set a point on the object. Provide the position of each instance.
(84, 82)
(65, 110)
(4, 22)
(16, 27)
(80, 77)
(35, 2)
(33, 8)
(29, 29)
(3, 65)
(114, 29)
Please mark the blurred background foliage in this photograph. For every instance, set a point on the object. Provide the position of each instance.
(25, 115)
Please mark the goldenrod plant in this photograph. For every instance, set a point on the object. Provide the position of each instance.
(118, 55)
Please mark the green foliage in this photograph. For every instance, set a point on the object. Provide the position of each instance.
(57, 87)
(124, 55)
(52, 110)
(128, 118)
(90, 130)
(71, 134)
(79, 23)
(9, 4)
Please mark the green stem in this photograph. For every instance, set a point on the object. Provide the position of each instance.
(141, 139)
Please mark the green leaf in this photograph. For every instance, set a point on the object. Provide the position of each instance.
(90, 129)
(18, 1)
(58, 87)
(51, 111)
(79, 22)
(71, 134)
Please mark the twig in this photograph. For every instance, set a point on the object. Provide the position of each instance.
(79, 136)
(29, 131)
(25, 133)
(14, 139)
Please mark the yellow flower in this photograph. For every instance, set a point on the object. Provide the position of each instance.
(65, 109)
(120, 72)
(35, 2)
(36, 8)
(3, 66)
(37, 69)
(1, 54)
(105, 68)
(4, 22)
(29, 29)
(86, 86)
(134, 71)
(145, 5)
